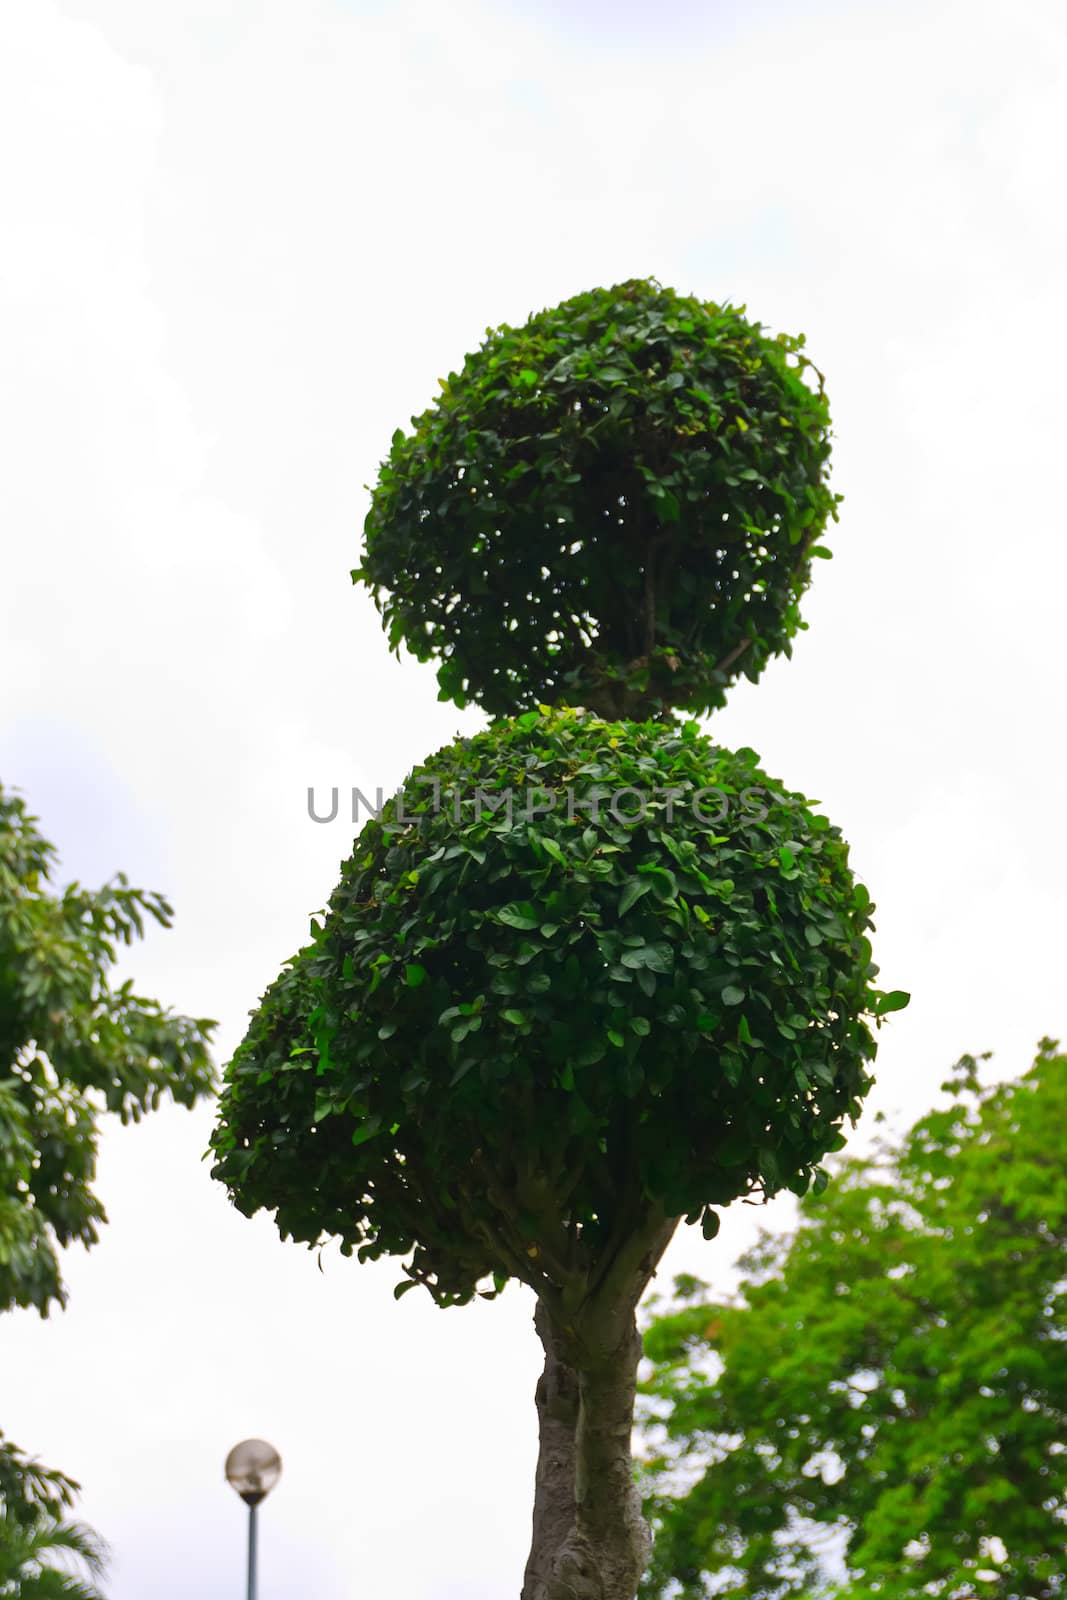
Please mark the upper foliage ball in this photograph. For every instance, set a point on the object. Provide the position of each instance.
(534, 1017)
(615, 505)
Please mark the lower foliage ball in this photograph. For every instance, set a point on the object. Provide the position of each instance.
(571, 957)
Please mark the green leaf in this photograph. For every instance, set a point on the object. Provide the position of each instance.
(521, 915)
(414, 975)
(367, 1130)
(732, 995)
(669, 507)
(632, 891)
(646, 982)
(551, 848)
(895, 1000)
(710, 1223)
(516, 1017)
(641, 1026)
(659, 957)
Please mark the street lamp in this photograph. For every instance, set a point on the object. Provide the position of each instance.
(253, 1467)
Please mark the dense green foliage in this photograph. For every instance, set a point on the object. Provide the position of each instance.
(896, 1371)
(471, 1061)
(71, 1047)
(615, 505)
(29, 1491)
(587, 974)
(49, 1560)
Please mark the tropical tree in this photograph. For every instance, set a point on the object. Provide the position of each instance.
(72, 1047)
(888, 1394)
(588, 973)
(49, 1560)
(43, 1554)
(30, 1491)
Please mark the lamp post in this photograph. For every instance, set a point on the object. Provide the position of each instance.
(253, 1467)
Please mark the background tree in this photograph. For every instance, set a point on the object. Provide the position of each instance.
(584, 977)
(49, 1560)
(72, 1047)
(893, 1381)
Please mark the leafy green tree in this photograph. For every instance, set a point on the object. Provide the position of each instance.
(45, 1560)
(42, 1554)
(72, 1048)
(587, 974)
(891, 1387)
(30, 1492)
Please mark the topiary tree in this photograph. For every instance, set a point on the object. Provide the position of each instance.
(582, 977)
(616, 504)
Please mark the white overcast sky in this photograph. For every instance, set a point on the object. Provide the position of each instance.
(238, 245)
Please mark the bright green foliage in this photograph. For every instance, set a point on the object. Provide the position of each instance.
(615, 505)
(564, 994)
(897, 1371)
(33, 1533)
(71, 1046)
(39, 1561)
(509, 1032)
(30, 1492)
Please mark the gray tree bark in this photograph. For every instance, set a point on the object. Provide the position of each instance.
(590, 1541)
(554, 1485)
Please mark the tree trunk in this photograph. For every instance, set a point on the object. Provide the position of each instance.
(611, 1535)
(557, 1415)
(590, 1541)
